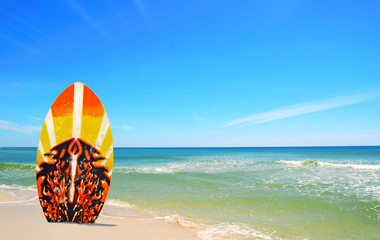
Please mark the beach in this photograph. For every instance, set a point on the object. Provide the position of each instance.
(213, 194)
(23, 219)
(208, 120)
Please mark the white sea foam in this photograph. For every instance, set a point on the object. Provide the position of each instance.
(123, 209)
(232, 231)
(118, 203)
(309, 162)
(204, 166)
(178, 220)
(22, 192)
(218, 231)
(31, 188)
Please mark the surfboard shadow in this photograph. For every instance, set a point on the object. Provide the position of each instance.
(100, 224)
(92, 224)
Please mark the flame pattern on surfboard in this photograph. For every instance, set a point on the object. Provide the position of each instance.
(74, 157)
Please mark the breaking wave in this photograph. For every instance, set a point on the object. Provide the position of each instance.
(218, 231)
(17, 167)
(309, 162)
(211, 166)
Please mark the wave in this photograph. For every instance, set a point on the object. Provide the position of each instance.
(22, 192)
(148, 157)
(17, 167)
(119, 203)
(31, 188)
(222, 230)
(309, 162)
(232, 231)
(214, 166)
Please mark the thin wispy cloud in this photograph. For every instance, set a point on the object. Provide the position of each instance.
(25, 28)
(200, 119)
(83, 13)
(24, 46)
(118, 12)
(141, 6)
(36, 118)
(300, 109)
(11, 126)
(20, 20)
(142, 9)
(205, 117)
(22, 86)
(127, 127)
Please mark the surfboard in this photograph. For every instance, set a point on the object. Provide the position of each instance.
(74, 157)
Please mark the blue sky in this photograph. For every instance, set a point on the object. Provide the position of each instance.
(197, 73)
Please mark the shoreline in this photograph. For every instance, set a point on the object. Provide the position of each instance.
(16, 212)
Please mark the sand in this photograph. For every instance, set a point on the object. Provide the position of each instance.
(24, 220)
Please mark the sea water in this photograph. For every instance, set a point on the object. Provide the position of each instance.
(237, 193)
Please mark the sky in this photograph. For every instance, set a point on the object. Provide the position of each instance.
(210, 73)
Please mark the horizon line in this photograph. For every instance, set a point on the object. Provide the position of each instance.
(245, 146)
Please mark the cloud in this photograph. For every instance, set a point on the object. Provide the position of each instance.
(19, 44)
(36, 118)
(22, 25)
(126, 127)
(204, 117)
(11, 126)
(20, 86)
(300, 109)
(200, 119)
(77, 8)
(140, 5)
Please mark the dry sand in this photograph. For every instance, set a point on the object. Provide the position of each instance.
(24, 220)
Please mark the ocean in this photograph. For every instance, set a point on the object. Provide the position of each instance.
(236, 193)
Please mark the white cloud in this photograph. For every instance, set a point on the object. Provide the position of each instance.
(200, 119)
(140, 5)
(204, 117)
(300, 109)
(36, 118)
(20, 44)
(77, 8)
(11, 126)
(126, 127)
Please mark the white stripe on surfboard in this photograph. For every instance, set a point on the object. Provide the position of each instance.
(42, 151)
(110, 150)
(50, 128)
(102, 131)
(41, 148)
(73, 173)
(78, 107)
(109, 174)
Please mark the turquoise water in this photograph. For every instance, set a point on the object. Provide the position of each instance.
(240, 193)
